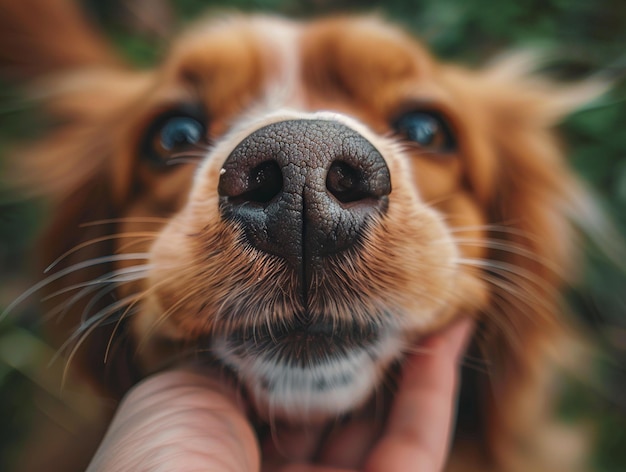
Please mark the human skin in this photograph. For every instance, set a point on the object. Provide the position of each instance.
(184, 421)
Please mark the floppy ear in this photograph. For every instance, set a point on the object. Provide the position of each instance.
(534, 201)
(84, 89)
(39, 37)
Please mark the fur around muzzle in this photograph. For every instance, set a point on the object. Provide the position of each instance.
(299, 206)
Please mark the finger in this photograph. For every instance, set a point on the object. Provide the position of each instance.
(177, 383)
(179, 419)
(421, 418)
(292, 444)
(312, 468)
(348, 446)
(452, 341)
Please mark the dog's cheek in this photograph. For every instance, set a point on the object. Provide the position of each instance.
(413, 251)
(422, 282)
(468, 224)
(170, 311)
(172, 279)
(428, 247)
(167, 255)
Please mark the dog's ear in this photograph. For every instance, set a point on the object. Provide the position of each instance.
(533, 200)
(39, 37)
(59, 61)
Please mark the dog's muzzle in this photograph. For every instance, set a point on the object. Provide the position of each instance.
(305, 191)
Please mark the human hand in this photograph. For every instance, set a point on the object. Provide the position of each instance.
(184, 421)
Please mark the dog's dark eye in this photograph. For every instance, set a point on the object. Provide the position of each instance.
(428, 129)
(180, 132)
(175, 137)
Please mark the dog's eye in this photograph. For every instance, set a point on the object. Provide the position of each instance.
(180, 132)
(175, 138)
(428, 129)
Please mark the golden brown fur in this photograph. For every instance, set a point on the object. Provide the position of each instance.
(488, 221)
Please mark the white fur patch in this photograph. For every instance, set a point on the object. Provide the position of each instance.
(328, 388)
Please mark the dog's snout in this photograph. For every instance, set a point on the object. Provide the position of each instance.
(304, 189)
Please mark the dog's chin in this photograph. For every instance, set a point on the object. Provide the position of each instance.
(308, 374)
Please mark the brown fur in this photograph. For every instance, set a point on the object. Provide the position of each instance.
(505, 194)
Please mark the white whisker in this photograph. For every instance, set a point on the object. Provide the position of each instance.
(95, 241)
(504, 267)
(128, 219)
(69, 270)
(506, 246)
(63, 308)
(127, 274)
(87, 327)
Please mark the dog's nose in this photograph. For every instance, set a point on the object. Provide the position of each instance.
(304, 189)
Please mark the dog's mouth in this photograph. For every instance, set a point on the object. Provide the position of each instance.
(303, 344)
(308, 369)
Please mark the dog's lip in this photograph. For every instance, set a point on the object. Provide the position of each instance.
(303, 342)
(346, 332)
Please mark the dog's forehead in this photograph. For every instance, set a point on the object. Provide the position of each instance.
(242, 55)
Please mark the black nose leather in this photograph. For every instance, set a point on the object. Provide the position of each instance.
(304, 189)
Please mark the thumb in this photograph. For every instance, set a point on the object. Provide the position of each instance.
(178, 420)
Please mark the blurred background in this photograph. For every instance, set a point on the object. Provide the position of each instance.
(583, 38)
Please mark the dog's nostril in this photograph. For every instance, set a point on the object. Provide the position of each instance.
(266, 181)
(262, 184)
(345, 182)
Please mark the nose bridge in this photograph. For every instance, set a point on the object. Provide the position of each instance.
(303, 189)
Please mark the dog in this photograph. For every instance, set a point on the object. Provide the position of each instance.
(298, 203)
